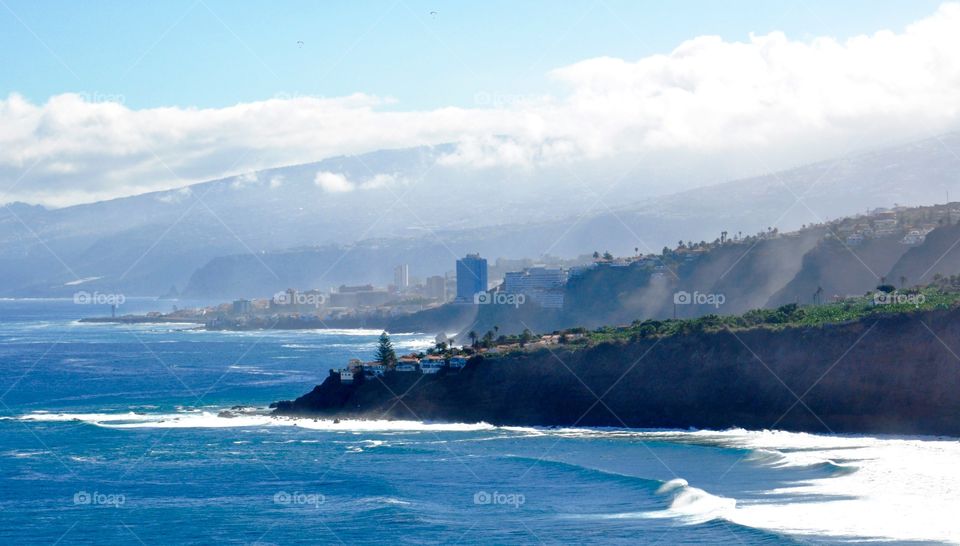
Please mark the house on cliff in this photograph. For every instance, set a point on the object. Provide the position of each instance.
(431, 364)
(407, 364)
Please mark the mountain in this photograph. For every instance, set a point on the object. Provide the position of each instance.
(417, 207)
(913, 174)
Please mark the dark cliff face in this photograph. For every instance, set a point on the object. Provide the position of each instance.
(841, 270)
(892, 375)
(939, 253)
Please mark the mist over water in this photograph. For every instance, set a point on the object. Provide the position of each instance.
(116, 433)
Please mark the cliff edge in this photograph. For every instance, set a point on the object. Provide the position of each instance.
(897, 374)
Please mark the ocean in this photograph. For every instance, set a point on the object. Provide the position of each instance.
(114, 434)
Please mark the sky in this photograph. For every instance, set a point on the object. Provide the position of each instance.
(102, 99)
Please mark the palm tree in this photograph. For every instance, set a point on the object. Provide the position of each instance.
(903, 281)
(473, 338)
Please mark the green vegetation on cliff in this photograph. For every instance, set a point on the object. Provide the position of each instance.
(942, 295)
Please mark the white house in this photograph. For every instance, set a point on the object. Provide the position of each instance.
(913, 238)
(374, 369)
(346, 376)
(457, 362)
(431, 364)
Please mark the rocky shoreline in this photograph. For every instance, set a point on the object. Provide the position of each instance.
(895, 374)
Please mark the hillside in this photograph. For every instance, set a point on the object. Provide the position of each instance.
(839, 270)
(141, 245)
(816, 264)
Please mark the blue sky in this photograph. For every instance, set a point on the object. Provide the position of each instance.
(218, 53)
(106, 99)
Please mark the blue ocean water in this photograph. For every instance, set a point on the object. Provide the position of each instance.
(112, 434)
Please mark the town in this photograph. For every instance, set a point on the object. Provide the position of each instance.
(540, 284)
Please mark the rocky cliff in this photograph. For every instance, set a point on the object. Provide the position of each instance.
(894, 374)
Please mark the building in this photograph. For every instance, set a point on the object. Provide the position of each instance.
(346, 376)
(359, 296)
(471, 277)
(401, 277)
(431, 364)
(915, 237)
(242, 307)
(436, 288)
(885, 223)
(373, 369)
(286, 298)
(406, 364)
(457, 362)
(541, 284)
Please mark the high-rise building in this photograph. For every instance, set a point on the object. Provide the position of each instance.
(471, 277)
(436, 288)
(541, 284)
(401, 277)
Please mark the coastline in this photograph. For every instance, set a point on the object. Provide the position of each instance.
(881, 375)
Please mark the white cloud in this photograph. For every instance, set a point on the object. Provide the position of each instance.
(333, 182)
(244, 180)
(338, 183)
(175, 196)
(378, 181)
(784, 100)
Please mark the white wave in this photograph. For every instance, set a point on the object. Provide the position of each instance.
(903, 488)
(206, 419)
(692, 505)
(689, 505)
(25, 453)
(885, 488)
